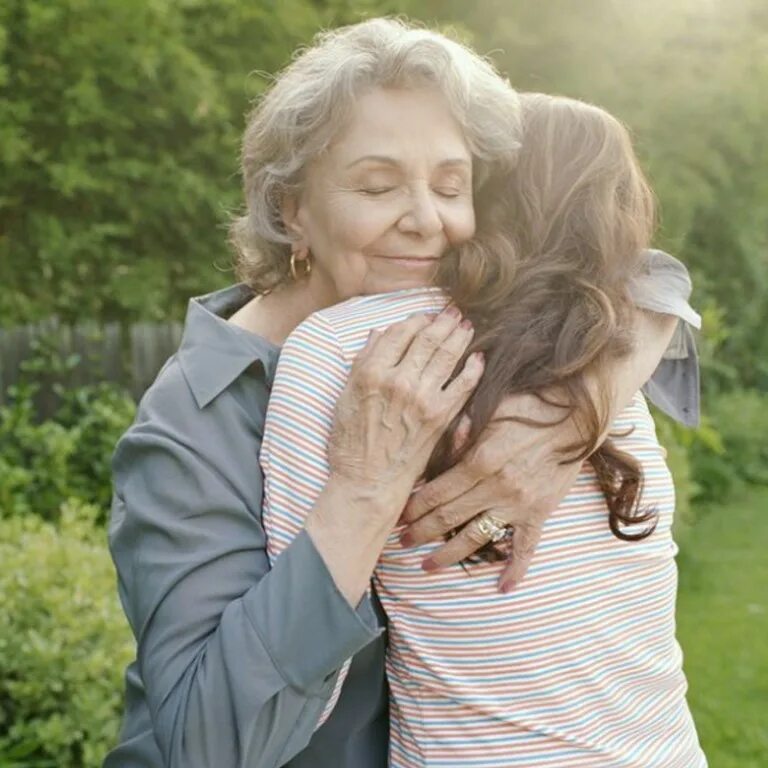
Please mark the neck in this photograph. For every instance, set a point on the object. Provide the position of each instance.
(275, 315)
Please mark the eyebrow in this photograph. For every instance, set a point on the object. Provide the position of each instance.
(387, 160)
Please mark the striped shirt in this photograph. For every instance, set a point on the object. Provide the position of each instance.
(578, 666)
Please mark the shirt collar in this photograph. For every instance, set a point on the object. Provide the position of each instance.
(664, 286)
(214, 352)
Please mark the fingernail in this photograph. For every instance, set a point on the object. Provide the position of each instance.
(406, 540)
(466, 324)
(508, 586)
(429, 565)
(452, 311)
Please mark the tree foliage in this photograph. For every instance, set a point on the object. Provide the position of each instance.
(119, 131)
(120, 122)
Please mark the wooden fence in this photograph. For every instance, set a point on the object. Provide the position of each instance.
(85, 353)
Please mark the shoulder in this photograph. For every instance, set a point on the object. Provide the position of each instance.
(379, 307)
(344, 327)
(223, 434)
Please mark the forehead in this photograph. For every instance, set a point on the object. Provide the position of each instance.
(401, 122)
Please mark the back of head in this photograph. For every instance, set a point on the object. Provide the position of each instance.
(576, 203)
(578, 193)
(545, 280)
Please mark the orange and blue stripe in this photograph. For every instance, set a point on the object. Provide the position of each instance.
(578, 667)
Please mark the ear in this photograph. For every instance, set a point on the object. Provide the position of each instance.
(289, 210)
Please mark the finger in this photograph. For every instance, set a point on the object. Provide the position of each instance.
(440, 491)
(449, 516)
(425, 343)
(458, 391)
(441, 365)
(388, 346)
(465, 543)
(367, 352)
(524, 542)
(460, 434)
(433, 525)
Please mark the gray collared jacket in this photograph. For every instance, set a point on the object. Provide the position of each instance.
(236, 661)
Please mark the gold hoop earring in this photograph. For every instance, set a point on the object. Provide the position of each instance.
(304, 256)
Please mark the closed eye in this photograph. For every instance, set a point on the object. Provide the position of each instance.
(376, 191)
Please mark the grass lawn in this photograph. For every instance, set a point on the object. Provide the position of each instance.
(723, 628)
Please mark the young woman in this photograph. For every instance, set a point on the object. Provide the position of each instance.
(579, 665)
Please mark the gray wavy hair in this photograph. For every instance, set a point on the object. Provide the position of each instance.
(309, 101)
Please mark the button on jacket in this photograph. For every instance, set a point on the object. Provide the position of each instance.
(236, 661)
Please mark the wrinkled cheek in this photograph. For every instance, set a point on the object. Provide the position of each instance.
(461, 228)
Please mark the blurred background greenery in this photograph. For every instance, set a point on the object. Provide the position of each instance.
(119, 130)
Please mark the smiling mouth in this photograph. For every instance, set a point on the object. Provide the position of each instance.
(411, 260)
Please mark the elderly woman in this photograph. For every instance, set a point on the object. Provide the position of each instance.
(237, 661)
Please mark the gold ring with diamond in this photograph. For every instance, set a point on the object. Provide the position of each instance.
(493, 528)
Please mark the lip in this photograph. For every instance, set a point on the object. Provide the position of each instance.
(411, 262)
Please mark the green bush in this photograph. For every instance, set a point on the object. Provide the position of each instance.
(714, 462)
(740, 418)
(96, 416)
(45, 463)
(63, 642)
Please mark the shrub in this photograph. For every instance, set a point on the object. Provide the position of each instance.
(45, 463)
(741, 420)
(63, 642)
(96, 416)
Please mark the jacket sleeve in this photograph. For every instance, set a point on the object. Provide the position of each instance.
(237, 660)
(664, 286)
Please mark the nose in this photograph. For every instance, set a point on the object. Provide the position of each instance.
(422, 218)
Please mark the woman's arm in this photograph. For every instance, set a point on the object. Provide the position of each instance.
(237, 661)
(348, 483)
(515, 469)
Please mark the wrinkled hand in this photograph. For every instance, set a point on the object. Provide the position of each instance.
(513, 472)
(396, 405)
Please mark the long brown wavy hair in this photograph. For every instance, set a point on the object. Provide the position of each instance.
(545, 281)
